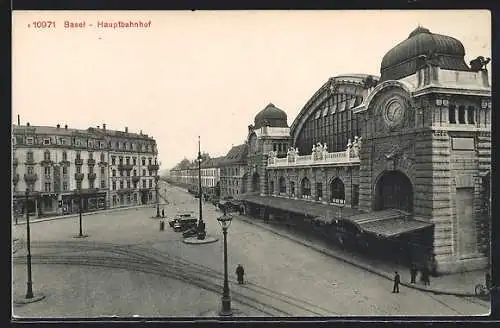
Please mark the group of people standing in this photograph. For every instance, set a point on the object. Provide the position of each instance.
(424, 277)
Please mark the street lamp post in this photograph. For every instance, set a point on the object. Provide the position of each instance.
(201, 224)
(80, 211)
(157, 199)
(29, 292)
(225, 222)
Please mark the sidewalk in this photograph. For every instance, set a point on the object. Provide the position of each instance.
(459, 284)
(73, 215)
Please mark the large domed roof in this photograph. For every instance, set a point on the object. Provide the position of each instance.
(271, 116)
(401, 60)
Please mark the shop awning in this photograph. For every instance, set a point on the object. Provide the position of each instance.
(388, 223)
(298, 206)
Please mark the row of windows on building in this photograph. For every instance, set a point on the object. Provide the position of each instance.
(127, 199)
(337, 190)
(85, 143)
(134, 160)
(280, 147)
(48, 186)
(338, 103)
(48, 170)
(334, 130)
(145, 184)
(230, 171)
(460, 115)
(47, 157)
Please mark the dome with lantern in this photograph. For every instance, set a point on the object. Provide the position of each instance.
(271, 116)
(409, 56)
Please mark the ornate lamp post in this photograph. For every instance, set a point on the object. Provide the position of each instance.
(225, 222)
(157, 178)
(29, 292)
(201, 224)
(80, 211)
(80, 234)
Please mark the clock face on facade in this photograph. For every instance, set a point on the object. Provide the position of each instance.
(393, 112)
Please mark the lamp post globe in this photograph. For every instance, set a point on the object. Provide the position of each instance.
(225, 222)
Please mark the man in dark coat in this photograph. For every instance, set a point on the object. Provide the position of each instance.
(239, 273)
(162, 212)
(413, 273)
(397, 280)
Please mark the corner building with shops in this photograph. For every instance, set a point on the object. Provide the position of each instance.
(397, 164)
(58, 165)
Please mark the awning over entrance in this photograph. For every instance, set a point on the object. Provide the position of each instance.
(387, 223)
(299, 206)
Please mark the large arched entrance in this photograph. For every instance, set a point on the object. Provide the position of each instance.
(256, 182)
(337, 191)
(394, 190)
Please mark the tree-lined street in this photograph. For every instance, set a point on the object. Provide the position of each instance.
(127, 266)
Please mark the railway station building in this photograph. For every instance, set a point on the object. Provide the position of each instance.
(400, 162)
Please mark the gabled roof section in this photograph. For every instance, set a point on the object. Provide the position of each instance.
(213, 162)
(237, 154)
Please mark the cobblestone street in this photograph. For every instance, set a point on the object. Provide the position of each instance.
(128, 267)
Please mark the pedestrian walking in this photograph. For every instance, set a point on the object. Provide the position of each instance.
(240, 272)
(397, 280)
(163, 212)
(426, 276)
(413, 273)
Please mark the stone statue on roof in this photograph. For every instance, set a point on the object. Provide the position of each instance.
(479, 64)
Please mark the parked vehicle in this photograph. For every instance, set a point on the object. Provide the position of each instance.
(183, 224)
(172, 221)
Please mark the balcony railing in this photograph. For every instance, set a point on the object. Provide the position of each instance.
(30, 177)
(103, 164)
(15, 178)
(126, 167)
(78, 161)
(124, 191)
(153, 167)
(91, 161)
(319, 157)
(91, 176)
(30, 161)
(46, 162)
(79, 176)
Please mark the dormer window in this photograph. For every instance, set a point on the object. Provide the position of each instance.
(46, 141)
(29, 140)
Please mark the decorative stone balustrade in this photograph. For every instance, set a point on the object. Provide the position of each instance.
(342, 157)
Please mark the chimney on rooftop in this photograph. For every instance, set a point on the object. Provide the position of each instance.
(104, 126)
(98, 127)
(58, 126)
(28, 124)
(18, 119)
(126, 129)
(66, 126)
(141, 132)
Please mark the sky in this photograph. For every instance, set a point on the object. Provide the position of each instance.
(203, 73)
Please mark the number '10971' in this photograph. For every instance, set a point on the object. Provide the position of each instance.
(44, 24)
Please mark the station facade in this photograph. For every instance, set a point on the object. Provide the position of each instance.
(403, 158)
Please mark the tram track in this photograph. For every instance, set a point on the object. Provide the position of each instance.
(149, 260)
